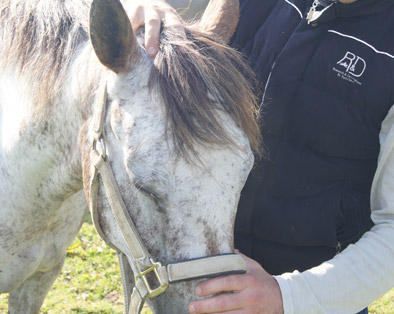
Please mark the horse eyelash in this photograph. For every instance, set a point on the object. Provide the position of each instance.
(152, 196)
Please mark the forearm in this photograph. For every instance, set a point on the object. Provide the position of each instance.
(362, 272)
(348, 282)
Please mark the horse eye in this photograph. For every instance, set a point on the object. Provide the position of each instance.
(147, 193)
(153, 197)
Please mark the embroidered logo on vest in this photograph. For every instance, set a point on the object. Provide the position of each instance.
(350, 67)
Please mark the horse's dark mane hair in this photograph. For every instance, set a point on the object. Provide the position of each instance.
(41, 37)
(196, 74)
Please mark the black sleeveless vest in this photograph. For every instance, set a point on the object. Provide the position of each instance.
(327, 89)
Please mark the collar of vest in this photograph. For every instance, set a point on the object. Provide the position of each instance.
(326, 11)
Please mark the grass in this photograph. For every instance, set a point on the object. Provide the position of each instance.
(384, 305)
(90, 282)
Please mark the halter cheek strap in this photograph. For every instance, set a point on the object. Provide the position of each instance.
(137, 287)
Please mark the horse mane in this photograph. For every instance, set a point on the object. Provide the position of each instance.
(196, 74)
(40, 37)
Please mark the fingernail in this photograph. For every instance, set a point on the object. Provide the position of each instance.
(198, 291)
(151, 51)
(192, 309)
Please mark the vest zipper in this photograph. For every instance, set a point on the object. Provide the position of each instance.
(317, 9)
(312, 11)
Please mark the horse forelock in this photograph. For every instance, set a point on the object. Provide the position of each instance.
(39, 38)
(196, 74)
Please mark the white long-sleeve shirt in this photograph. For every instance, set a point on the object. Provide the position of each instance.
(363, 271)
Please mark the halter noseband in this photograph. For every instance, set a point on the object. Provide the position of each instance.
(140, 288)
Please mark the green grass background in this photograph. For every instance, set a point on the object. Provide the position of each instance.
(90, 282)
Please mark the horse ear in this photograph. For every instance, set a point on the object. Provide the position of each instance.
(220, 18)
(111, 35)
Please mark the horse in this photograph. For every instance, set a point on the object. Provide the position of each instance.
(177, 133)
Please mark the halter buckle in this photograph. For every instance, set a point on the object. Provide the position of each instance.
(163, 284)
(103, 148)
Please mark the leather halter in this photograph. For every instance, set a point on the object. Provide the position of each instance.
(139, 288)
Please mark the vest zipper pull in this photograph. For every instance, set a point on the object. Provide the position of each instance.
(312, 11)
(338, 247)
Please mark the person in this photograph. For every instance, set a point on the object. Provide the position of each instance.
(304, 220)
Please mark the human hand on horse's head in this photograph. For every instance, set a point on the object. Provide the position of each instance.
(152, 13)
(256, 291)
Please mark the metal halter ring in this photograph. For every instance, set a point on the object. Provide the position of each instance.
(153, 292)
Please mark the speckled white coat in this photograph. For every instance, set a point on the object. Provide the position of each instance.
(44, 151)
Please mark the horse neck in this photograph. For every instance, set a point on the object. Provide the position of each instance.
(75, 106)
(43, 140)
(82, 84)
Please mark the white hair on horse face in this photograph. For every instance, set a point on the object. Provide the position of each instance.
(196, 204)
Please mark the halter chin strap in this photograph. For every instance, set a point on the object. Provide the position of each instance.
(137, 287)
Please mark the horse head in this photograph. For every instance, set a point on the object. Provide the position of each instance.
(176, 134)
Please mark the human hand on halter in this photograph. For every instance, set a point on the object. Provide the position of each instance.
(254, 292)
(152, 13)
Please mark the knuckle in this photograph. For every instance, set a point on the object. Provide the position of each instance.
(247, 277)
(227, 281)
(252, 280)
(153, 23)
(221, 304)
(138, 10)
(139, 7)
(174, 25)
